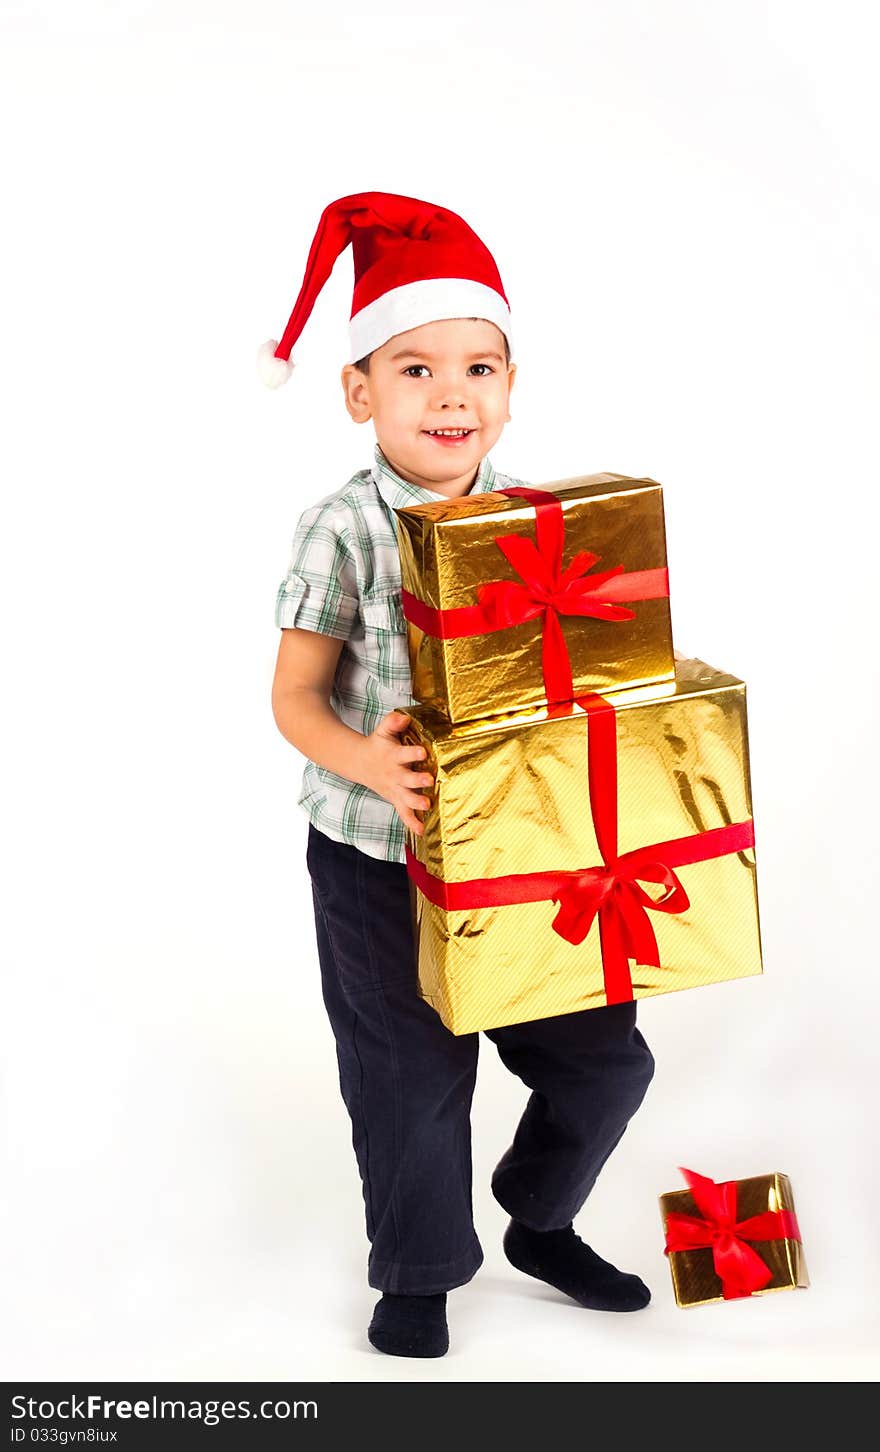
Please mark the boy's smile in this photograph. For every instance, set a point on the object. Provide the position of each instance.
(438, 396)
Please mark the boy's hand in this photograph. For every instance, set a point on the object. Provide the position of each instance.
(391, 771)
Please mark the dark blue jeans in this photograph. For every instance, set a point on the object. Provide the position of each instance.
(407, 1083)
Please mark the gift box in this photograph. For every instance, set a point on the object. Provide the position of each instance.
(585, 853)
(732, 1239)
(522, 596)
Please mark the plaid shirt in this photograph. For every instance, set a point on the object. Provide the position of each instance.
(344, 580)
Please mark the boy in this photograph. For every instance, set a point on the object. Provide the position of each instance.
(430, 366)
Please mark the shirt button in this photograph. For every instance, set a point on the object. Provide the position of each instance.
(290, 587)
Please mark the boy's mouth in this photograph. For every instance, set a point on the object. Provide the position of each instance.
(449, 437)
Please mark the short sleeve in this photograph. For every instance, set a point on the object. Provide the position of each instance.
(320, 590)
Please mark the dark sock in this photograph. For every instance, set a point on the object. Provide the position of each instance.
(410, 1325)
(561, 1258)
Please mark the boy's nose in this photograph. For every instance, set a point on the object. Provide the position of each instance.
(451, 398)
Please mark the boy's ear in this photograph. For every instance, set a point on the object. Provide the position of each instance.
(356, 389)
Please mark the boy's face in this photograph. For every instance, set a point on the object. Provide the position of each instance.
(445, 375)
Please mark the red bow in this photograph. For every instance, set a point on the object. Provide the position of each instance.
(548, 589)
(612, 891)
(739, 1268)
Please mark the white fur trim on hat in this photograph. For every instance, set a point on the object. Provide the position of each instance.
(427, 301)
(273, 371)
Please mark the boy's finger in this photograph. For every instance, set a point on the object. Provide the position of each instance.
(412, 776)
(412, 753)
(418, 803)
(393, 723)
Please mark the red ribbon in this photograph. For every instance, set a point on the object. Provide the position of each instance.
(739, 1268)
(547, 590)
(612, 891)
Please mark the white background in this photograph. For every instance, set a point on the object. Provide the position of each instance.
(683, 202)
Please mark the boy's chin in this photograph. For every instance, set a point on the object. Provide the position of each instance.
(431, 462)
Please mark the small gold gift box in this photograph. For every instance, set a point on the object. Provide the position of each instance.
(733, 1239)
(522, 596)
(587, 853)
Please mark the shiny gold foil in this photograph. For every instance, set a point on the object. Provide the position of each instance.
(447, 549)
(511, 795)
(694, 1281)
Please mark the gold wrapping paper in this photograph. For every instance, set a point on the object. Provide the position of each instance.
(694, 1280)
(447, 549)
(511, 795)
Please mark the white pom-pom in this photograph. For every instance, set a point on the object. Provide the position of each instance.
(273, 371)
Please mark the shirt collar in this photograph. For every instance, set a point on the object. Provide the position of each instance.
(398, 492)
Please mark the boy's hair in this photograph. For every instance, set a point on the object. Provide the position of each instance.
(363, 364)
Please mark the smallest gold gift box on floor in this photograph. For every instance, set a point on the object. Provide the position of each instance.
(695, 1278)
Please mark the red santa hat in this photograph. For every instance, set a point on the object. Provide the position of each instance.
(414, 263)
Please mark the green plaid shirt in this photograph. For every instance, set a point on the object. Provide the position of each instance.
(344, 580)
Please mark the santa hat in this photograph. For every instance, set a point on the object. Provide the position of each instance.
(414, 263)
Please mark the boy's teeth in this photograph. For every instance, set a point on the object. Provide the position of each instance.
(451, 432)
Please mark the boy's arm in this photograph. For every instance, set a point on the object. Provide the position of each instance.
(304, 672)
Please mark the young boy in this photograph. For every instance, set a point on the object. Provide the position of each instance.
(430, 365)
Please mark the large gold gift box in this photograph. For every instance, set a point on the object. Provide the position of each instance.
(540, 558)
(525, 905)
(757, 1247)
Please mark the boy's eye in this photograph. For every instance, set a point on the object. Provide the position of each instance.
(413, 369)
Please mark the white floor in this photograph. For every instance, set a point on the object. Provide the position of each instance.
(221, 1314)
(210, 1229)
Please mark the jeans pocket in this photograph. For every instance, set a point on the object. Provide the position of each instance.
(365, 906)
